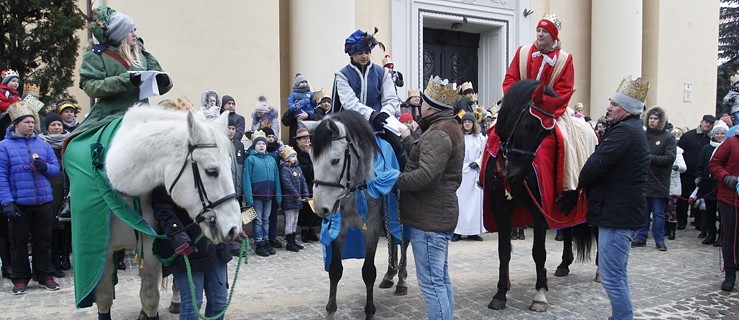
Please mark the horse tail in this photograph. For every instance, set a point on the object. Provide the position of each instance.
(583, 236)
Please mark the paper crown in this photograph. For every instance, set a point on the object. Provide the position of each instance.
(31, 89)
(65, 104)
(10, 72)
(386, 60)
(319, 95)
(553, 19)
(23, 108)
(413, 92)
(465, 86)
(257, 134)
(441, 93)
(636, 88)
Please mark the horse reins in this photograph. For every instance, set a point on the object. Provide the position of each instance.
(204, 201)
(348, 188)
(505, 146)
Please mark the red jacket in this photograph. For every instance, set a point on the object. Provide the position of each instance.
(725, 162)
(564, 82)
(8, 96)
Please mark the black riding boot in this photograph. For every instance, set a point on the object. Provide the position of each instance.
(304, 235)
(730, 278)
(671, 226)
(312, 235)
(120, 256)
(290, 246)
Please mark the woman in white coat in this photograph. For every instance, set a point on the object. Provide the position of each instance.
(469, 194)
(678, 167)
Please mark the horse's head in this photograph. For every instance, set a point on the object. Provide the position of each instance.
(526, 117)
(343, 152)
(202, 181)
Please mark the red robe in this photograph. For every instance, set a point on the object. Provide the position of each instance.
(563, 82)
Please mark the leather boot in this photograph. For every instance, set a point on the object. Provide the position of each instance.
(262, 250)
(521, 236)
(312, 235)
(295, 243)
(304, 236)
(120, 259)
(730, 278)
(290, 246)
(671, 226)
(65, 263)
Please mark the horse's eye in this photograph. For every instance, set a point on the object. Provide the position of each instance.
(213, 172)
(335, 161)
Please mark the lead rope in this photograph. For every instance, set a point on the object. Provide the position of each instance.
(243, 254)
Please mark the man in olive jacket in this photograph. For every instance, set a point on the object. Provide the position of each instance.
(428, 202)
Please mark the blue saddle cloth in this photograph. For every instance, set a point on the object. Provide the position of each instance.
(386, 174)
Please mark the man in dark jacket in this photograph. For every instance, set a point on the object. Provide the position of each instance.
(229, 105)
(662, 153)
(692, 143)
(615, 177)
(429, 200)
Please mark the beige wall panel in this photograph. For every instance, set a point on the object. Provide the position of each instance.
(616, 48)
(230, 46)
(370, 14)
(687, 45)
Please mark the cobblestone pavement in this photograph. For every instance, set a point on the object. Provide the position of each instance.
(681, 283)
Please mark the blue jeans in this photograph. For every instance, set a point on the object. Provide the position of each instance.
(261, 226)
(212, 281)
(657, 207)
(431, 252)
(613, 260)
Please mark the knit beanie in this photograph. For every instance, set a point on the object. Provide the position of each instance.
(630, 104)
(719, 127)
(261, 105)
(257, 136)
(405, 117)
(469, 116)
(300, 78)
(268, 131)
(287, 153)
(10, 77)
(51, 117)
(227, 99)
(119, 26)
(550, 27)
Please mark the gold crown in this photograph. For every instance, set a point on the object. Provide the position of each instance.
(465, 86)
(636, 88)
(413, 92)
(31, 89)
(60, 107)
(321, 94)
(441, 92)
(258, 133)
(11, 72)
(553, 19)
(23, 108)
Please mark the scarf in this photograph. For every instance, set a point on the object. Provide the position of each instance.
(301, 89)
(55, 140)
(73, 123)
(714, 143)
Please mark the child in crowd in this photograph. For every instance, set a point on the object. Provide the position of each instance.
(301, 99)
(294, 191)
(261, 184)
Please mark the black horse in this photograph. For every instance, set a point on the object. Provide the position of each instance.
(511, 182)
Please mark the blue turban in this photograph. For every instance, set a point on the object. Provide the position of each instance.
(359, 41)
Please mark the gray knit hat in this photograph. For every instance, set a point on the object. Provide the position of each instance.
(630, 104)
(119, 26)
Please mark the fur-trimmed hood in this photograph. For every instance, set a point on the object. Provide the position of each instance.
(662, 117)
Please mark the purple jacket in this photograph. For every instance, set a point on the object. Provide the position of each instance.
(19, 181)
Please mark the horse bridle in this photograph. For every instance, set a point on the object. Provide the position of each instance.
(204, 201)
(505, 146)
(348, 188)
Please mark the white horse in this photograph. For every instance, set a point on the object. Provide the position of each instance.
(190, 156)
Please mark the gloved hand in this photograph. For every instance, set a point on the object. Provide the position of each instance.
(11, 211)
(162, 79)
(378, 120)
(567, 201)
(135, 79)
(730, 181)
(186, 248)
(697, 181)
(40, 165)
(474, 166)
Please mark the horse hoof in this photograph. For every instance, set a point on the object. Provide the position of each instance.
(331, 309)
(174, 308)
(539, 306)
(401, 290)
(496, 304)
(385, 284)
(561, 272)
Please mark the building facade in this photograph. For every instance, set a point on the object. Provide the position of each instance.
(251, 48)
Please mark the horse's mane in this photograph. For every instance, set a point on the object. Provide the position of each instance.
(517, 98)
(357, 129)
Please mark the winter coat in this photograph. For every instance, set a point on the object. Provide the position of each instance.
(172, 218)
(240, 124)
(707, 185)
(268, 119)
(8, 96)
(19, 180)
(692, 143)
(104, 78)
(725, 162)
(294, 186)
(615, 176)
(304, 101)
(261, 178)
(306, 166)
(676, 187)
(662, 153)
(432, 175)
(731, 100)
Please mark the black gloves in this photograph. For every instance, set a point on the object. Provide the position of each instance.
(162, 80)
(40, 165)
(378, 119)
(11, 211)
(567, 201)
(474, 166)
(730, 181)
(135, 79)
